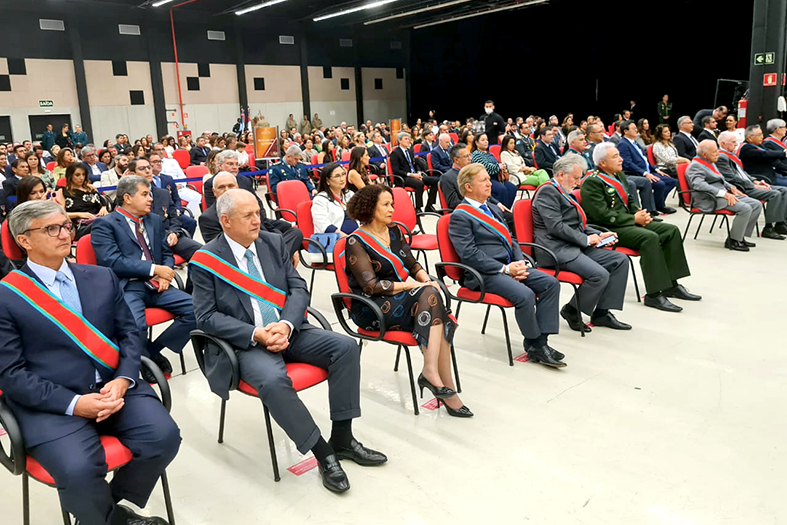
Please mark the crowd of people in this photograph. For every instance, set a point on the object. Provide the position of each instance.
(594, 190)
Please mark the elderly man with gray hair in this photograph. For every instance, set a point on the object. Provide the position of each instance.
(684, 140)
(90, 158)
(710, 193)
(290, 168)
(560, 224)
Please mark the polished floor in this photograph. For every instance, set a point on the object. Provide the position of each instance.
(679, 422)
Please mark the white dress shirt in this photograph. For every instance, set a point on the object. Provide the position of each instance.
(691, 138)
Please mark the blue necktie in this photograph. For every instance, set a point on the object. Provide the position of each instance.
(486, 210)
(412, 168)
(157, 180)
(68, 292)
(267, 311)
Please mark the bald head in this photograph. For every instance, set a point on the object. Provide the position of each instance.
(708, 150)
(728, 140)
(223, 182)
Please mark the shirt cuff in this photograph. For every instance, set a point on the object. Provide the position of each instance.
(131, 381)
(292, 328)
(503, 269)
(72, 405)
(152, 269)
(721, 193)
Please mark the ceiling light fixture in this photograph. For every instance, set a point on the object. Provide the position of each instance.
(481, 13)
(162, 2)
(258, 6)
(355, 9)
(416, 11)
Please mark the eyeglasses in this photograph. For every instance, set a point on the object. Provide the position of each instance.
(53, 230)
(145, 168)
(155, 162)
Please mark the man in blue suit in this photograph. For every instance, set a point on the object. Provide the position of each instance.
(95, 168)
(441, 159)
(132, 242)
(64, 396)
(636, 166)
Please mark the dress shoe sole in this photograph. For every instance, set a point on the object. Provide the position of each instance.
(340, 455)
(676, 308)
(551, 365)
(621, 326)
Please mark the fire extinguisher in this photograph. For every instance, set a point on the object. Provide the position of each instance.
(743, 106)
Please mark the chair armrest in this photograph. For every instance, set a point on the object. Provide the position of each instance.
(444, 289)
(15, 459)
(396, 180)
(183, 231)
(279, 211)
(179, 282)
(193, 187)
(161, 381)
(324, 324)
(546, 250)
(407, 232)
(187, 212)
(321, 249)
(199, 340)
(440, 267)
(339, 306)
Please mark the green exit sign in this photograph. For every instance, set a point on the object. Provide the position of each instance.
(762, 59)
(46, 104)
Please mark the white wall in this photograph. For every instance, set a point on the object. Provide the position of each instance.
(384, 110)
(333, 113)
(135, 121)
(204, 117)
(277, 113)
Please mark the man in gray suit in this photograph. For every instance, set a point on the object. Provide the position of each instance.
(713, 193)
(268, 334)
(731, 167)
(560, 224)
(484, 243)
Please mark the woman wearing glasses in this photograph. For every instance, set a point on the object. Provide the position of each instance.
(329, 209)
(80, 199)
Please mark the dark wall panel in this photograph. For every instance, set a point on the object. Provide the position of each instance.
(21, 36)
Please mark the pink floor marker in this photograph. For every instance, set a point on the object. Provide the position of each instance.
(431, 404)
(304, 466)
(522, 358)
(2, 432)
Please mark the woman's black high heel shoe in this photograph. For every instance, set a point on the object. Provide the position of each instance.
(440, 392)
(459, 412)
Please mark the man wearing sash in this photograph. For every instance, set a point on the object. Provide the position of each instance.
(131, 242)
(560, 224)
(247, 292)
(608, 204)
(777, 129)
(714, 193)
(484, 243)
(69, 370)
(761, 162)
(731, 167)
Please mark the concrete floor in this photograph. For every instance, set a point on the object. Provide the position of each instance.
(678, 422)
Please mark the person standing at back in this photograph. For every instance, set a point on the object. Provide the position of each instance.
(493, 122)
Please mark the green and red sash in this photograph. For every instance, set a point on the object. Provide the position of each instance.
(490, 222)
(573, 202)
(73, 324)
(776, 141)
(707, 164)
(124, 213)
(614, 183)
(733, 157)
(385, 253)
(238, 279)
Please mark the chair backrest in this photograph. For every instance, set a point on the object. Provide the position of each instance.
(346, 156)
(289, 194)
(340, 270)
(429, 160)
(443, 200)
(454, 137)
(523, 222)
(196, 186)
(85, 252)
(494, 149)
(183, 157)
(684, 185)
(193, 172)
(404, 211)
(10, 248)
(417, 148)
(388, 146)
(304, 220)
(61, 182)
(51, 165)
(535, 162)
(651, 158)
(446, 248)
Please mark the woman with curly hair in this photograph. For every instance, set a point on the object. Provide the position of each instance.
(80, 199)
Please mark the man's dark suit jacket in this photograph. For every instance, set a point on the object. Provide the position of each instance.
(225, 312)
(545, 155)
(210, 227)
(95, 178)
(244, 183)
(117, 248)
(731, 174)
(41, 369)
(494, 125)
(199, 155)
(399, 164)
(780, 165)
(168, 183)
(699, 116)
(165, 208)
(10, 184)
(451, 190)
(707, 135)
(633, 162)
(685, 146)
(760, 162)
(441, 160)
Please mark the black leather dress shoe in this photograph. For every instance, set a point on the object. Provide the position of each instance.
(557, 355)
(772, 233)
(662, 303)
(654, 213)
(127, 516)
(656, 219)
(574, 320)
(162, 362)
(545, 356)
(667, 210)
(781, 227)
(333, 477)
(610, 321)
(749, 244)
(360, 454)
(680, 292)
(736, 246)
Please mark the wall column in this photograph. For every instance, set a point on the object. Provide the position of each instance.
(79, 74)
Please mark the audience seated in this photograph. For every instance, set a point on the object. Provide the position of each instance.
(516, 165)
(376, 151)
(525, 143)
(329, 210)
(357, 174)
(19, 169)
(403, 164)
(199, 153)
(30, 189)
(81, 200)
(38, 169)
(111, 177)
(546, 153)
(578, 145)
(684, 140)
(708, 130)
(760, 161)
(290, 168)
(502, 189)
(89, 156)
(665, 153)
(65, 157)
(441, 159)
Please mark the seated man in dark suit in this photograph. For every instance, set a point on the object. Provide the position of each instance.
(210, 226)
(290, 168)
(608, 204)
(761, 162)
(178, 240)
(403, 165)
(484, 243)
(19, 169)
(271, 332)
(708, 130)
(441, 159)
(684, 140)
(132, 243)
(199, 153)
(163, 181)
(95, 168)
(546, 153)
(717, 114)
(66, 392)
(637, 167)
(227, 160)
(376, 151)
(525, 144)
(560, 224)
(777, 129)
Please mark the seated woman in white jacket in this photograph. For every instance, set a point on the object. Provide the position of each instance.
(329, 208)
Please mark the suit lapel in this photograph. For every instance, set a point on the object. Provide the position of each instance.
(225, 252)
(89, 310)
(269, 271)
(125, 227)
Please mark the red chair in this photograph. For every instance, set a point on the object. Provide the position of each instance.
(196, 172)
(685, 203)
(444, 209)
(651, 157)
(183, 157)
(342, 304)
(305, 223)
(494, 149)
(153, 316)
(10, 248)
(450, 266)
(61, 182)
(523, 224)
(406, 217)
(454, 138)
(51, 165)
(117, 456)
(417, 148)
(302, 375)
(346, 156)
(289, 194)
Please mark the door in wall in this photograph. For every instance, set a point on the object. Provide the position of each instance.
(38, 124)
(5, 129)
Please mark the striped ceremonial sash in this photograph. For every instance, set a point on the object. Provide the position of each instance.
(493, 224)
(733, 157)
(385, 253)
(776, 141)
(573, 202)
(74, 325)
(237, 278)
(707, 164)
(614, 183)
(124, 213)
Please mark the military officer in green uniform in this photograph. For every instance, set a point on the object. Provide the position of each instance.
(608, 203)
(665, 110)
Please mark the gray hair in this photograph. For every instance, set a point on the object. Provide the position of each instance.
(129, 185)
(683, 119)
(567, 163)
(222, 157)
(22, 215)
(772, 125)
(444, 136)
(724, 136)
(86, 150)
(401, 135)
(226, 203)
(705, 147)
(575, 135)
(750, 130)
(600, 152)
(455, 149)
(294, 151)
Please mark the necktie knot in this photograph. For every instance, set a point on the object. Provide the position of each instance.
(249, 256)
(68, 292)
(62, 278)
(485, 209)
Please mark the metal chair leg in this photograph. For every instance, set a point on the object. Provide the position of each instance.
(688, 224)
(456, 370)
(221, 420)
(726, 221)
(412, 379)
(66, 516)
(183, 363)
(714, 224)
(311, 283)
(486, 318)
(579, 310)
(398, 354)
(702, 218)
(426, 261)
(25, 499)
(167, 498)
(634, 274)
(272, 446)
(508, 339)
(458, 307)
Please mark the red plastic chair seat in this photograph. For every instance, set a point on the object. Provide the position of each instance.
(117, 456)
(396, 337)
(425, 241)
(563, 276)
(627, 251)
(489, 298)
(717, 212)
(179, 260)
(302, 376)
(154, 316)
